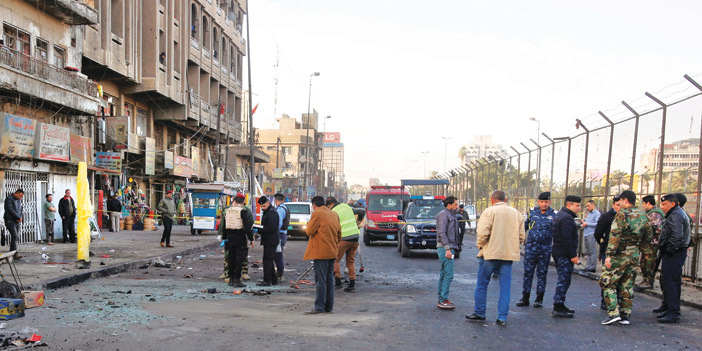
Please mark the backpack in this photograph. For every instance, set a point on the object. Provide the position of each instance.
(286, 220)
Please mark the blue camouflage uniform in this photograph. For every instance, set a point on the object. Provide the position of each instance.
(565, 247)
(537, 251)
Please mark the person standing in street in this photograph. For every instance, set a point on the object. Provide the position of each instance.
(324, 233)
(461, 226)
(67, 211)
(284, 219)
(565, 252)
(49, 218)
(589, 226)
(673, 244)
(13, 217)
(604, 226)
(537, 251)
(235, 228)
(114, 209)
(447, 234)
(269, 239)
(649, 255)
(630, 230)
(348, 245)
(500, 231)
(167, 208)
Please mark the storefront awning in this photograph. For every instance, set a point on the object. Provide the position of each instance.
(103, 170)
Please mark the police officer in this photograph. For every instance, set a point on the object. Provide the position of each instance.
(649, 253)
(235, 228)
(565, 252)
(537, 251)
(673, 244)
(631, 230)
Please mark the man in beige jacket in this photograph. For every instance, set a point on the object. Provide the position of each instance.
(500, 232)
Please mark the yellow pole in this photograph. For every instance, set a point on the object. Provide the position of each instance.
(85, 211)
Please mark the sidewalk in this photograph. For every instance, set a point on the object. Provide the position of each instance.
(126, 250)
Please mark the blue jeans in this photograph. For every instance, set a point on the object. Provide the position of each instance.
(485, 270)
(446, 273)
(324, 282)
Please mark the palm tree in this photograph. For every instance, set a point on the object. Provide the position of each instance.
(462, 153)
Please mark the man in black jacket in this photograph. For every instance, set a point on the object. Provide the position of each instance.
(13, 217)
(565, 252)
(673, 244)
(236, 233)
(269, 239)
(67, 211)
(604, 226)
(114, 210)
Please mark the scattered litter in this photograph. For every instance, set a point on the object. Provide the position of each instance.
(188, 276)
(210, 291)
(177, 267)
(160, 264)
(102, 263)
(105, 256)
(203, 256)
(34, 338)
(113, 250)
(190, 267)
(55, 263)
(3, 325)
(192, 291)
(144, 266)
(152, 299)
(593, 305)
(254, 265)
(44, 256)
(115, 334)
(236, 292)
(179, 257)
(44, 248)
(261, 292)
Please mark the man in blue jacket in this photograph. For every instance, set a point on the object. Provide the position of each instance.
(565, 252)
(537, 251)
(13, 217)
(672, 245)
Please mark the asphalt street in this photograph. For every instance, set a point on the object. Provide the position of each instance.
(394, 308)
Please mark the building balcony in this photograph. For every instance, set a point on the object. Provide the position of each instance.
(194, 43)
(69, 11)
(215, 61)
(205, 52)
(37, 78)
(236, 131)
(219, 11)
(225, 72)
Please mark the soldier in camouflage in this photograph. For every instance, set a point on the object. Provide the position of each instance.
(649, 252)
(537, 251)
(630, 231)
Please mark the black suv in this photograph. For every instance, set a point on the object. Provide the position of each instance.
(418, 226)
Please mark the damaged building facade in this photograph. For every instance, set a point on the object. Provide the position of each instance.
(148, 93)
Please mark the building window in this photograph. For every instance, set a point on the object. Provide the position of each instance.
(193, 21)
(117, 18)
(141, 122)
(42, 51)
(23, 44)
(205, 32)
(9, 36)
(59, 57)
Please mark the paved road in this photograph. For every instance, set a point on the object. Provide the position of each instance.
(393, 308)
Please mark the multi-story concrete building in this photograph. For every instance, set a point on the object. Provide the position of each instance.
(679, 155)
(481, 146)
(170, 72)
(286, 147)
(46, 104)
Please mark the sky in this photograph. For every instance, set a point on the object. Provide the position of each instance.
(397, 76)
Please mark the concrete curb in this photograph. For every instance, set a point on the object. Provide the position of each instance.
(115, 269)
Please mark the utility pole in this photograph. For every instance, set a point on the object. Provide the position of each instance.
(307, 139)
(252, 159)
(446, 139)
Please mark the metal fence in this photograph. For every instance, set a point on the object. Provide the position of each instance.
(652, 148)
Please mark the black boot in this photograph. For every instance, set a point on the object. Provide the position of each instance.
(351, 287)
(560, 311)
(524, 301)
(565, 308)
(338, 284)
(663, 308)
(539, 300)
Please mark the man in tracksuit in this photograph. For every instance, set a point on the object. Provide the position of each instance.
(348, 245)
(269, 239)
(13, 217)
(537, 251)
(236, 234)
(446, 247)
(565, 252)
(284, 220)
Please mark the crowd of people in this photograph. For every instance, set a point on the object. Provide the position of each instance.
(628, 237)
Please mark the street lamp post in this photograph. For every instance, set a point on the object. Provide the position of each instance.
(307, 139)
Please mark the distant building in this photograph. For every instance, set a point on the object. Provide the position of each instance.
(679, 155)
(481, 146)
(373, 182)
(333, 162)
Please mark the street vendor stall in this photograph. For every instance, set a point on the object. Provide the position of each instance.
(207, 202)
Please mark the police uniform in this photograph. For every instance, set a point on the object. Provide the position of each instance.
(631, 230)
(649, 251)
(537, 251)
(565, 248)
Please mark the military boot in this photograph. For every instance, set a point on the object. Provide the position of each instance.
(539, 302)
(524, 301)
(559, 311)
(351, 287)
(338, 284)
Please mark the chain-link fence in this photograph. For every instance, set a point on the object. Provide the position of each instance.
(650, 146)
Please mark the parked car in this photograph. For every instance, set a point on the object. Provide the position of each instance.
(418, 228)
(300, 213)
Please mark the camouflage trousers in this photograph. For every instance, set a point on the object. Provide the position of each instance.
(619, 280)
(536, 261)
(648, 264)
(244, 266)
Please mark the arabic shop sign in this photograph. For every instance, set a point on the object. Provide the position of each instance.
(52, 142)
(150, 156)
(81, 149)
(18, 136)
(109, 160)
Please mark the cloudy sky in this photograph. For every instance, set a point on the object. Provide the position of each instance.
(397, 76)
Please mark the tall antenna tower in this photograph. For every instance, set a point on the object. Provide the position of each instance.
(275, 82)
